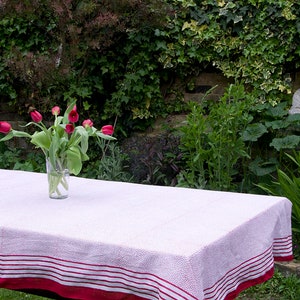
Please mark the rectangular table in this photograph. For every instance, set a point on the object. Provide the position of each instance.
(112, 240)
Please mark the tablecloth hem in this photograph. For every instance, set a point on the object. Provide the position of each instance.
(247, 284)
(284, 258)
(81, 293)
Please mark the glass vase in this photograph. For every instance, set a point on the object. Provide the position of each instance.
(58, 179)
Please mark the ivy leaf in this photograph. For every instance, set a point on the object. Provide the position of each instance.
(237, 19)
(288, 142)
(253, 132)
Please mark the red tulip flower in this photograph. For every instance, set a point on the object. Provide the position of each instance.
(73, 116)
(36, 116)
(5, 127)
(107, 129)
(87, 123)
(69, 128)
(55, 111)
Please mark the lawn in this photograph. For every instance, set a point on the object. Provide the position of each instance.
(278, 287)
(13, 295)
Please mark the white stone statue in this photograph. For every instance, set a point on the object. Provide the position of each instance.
(295, 109)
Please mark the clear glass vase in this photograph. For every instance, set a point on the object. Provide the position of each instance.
(58, 179)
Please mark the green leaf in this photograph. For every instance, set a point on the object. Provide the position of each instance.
(278, 111)
(253, 132)
(75, 139)
(54, 147)
(7, 137)
(277, 124)
(105, 136)
(294, 118)
(84, 138)
(15, 133)
(259, 167)
(287, 142)
(41, 140)
(74, 160)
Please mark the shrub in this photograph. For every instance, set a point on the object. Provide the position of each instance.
(211, 140)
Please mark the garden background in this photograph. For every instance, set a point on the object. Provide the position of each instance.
(199, 91)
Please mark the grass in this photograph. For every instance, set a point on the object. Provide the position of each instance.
(14, 295)
(278, 287)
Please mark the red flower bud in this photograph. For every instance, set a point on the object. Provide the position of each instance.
(87, 123)
(69, 128)
(55, 110)
(107, 129)
(5, 127)
(36, 116)
(73, 116)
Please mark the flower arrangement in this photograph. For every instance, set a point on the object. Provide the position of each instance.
(63, 143)
(63, 139)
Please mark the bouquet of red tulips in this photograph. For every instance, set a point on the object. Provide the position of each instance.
(63, 140)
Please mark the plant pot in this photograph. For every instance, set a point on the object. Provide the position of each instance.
(58, 179)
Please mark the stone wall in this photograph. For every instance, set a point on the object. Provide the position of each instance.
(206, 81)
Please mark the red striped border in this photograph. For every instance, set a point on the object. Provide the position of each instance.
(283, 248)
(90, 281)
(248, 270)
(82, 275)
(253, 271)
(72, 292)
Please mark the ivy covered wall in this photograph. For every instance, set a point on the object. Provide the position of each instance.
(122, 57)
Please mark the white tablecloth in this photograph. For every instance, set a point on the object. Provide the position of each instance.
(110, 240)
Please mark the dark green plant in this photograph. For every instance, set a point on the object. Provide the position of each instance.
(161, 160)
(211, 141)
(154, 159)
(271, 132)
(33, 162)
(55, 50)
(110, 164)
(287, 184)
(17, 159)
(8, 156)
(114, 57)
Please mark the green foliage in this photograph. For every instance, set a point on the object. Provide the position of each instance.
(124, 58)
(17, 159)
(111, 164)
(161, 159)
(138, 91)
(271, 132)
(114, 57)
(288, 185)
(211, 143)
(52, 51)
(253, 41)
(6, 294)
